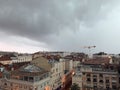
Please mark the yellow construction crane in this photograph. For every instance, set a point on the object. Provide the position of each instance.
(89, 48)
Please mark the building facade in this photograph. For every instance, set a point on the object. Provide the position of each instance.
(28, 77)
(99, 75)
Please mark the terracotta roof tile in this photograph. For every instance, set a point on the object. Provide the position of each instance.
(5, 57)
(98, 61)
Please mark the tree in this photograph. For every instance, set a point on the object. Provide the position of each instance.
(75, 87)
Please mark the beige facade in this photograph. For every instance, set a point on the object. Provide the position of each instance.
(12, 84)
(6, 62)
(29, 77)
(55, 67)
(97, 74)
(57, 73)
(75, 63)
(100, 81)
(78, 80)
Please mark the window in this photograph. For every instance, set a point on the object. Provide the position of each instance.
(88, 75)
(114, 83)
(56, 69)
(53, 70)
(119, 80)
(83, 73)
(113, 78)
(95, 87)
(10, 84)
(20, 86)
(35, 88)
(88, 88)
(5, 84)
(101, 81)
(30, 88)
(47, 83)
(107, 81)
(107, 87)
(88, 79)
(31, 79)
(94, 80)
(41, 86)
(100, 75)
(111, 67)
(44, 84)
(114, 87)
(95, 76)
(26, 78)
(25, 87)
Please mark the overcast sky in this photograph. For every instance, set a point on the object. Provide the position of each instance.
(62, 25)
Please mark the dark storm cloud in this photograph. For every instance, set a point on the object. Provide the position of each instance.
(42, 20)
(38, 18)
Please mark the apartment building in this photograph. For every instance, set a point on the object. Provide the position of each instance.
(5, 60)
(56, 68)
(57, 71)
(68, 73)
(19, 58)
(100, 74)
(77, 77)
(28, 77)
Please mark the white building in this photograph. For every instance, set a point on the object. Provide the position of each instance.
(77, 77)
(57, 72)
(5, 60)
(22, 58)
(18, 58)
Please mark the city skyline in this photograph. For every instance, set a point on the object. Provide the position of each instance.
(43, 25)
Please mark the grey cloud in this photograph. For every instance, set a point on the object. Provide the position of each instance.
(36, 18)
(43, 20)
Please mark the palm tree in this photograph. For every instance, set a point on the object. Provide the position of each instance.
(75, 87)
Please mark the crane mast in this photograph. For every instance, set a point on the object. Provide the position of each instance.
(89, 48)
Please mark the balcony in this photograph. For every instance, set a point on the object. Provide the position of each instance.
(106, 71)
(88, 86)
(94, 80)
(114, 81)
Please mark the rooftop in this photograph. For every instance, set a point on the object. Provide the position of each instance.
(104, 60)
(5, 57)
(29, 70)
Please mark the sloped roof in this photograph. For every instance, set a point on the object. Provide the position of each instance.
(30, 68)
(5, 57)
(98, 61)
